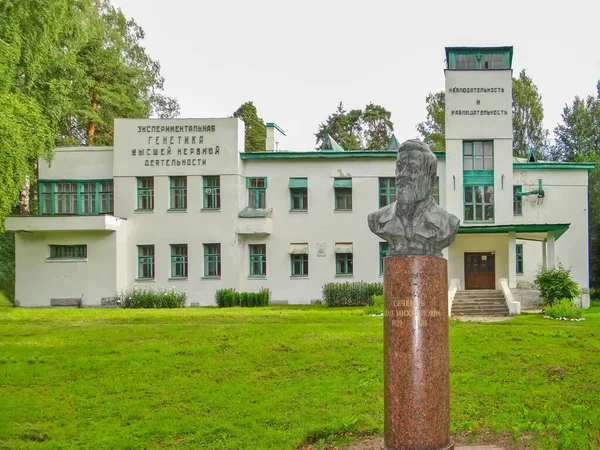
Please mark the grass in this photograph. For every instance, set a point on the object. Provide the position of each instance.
(280, 377)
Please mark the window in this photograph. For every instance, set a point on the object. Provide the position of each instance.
(479, 59)
(68, 251)
(145, 193)
(299, 259)
(383, 250)
(258, 260)
(435, 191)
(479, 203)
(212, 192)
(178, 193)
(343, 194)
(387, 191)
(179, 261)
(517, 201)
(146, 261)
(76, 197)
(520, 259)
(478, 155)
(298, 194)
(344, 264)
(212, 260)
(257, 192)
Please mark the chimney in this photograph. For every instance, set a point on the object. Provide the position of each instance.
(273, 136)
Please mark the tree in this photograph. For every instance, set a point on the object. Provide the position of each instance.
(357, 129)
(433, 130)
(256, 132)
(528, 114)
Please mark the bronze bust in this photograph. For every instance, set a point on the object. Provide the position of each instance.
(414, 224)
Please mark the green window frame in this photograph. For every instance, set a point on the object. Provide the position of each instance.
(387, 191)
(258, 260)
(519, 257)
(479, 203)
(257, 192)
(342, 188)
(298, 194)
(435, 191)
(344, 264)
(178, 191)
(179, 260)
(145, 262)
(145, 193)
(476, 59)
(478, 156)
(212, 260)
(517, 200)
(299, 265)
(212, 192)
(68, 251)
(383, 251)
(80, 197)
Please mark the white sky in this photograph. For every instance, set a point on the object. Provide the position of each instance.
(297, 61)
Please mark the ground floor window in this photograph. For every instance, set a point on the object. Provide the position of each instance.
(383, 250)
(68, 251)
(179, 261)
(299, 265)
(258, 260)
(520, 259)
(212, 260)
(479, 203)
(344, 258)
(146, 261)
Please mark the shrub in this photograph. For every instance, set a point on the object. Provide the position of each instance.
(350, 294)
(138, 297)
(556, 283)
(375, 306)
(228, 298)
(564, 308)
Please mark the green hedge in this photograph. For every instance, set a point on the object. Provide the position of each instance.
(357, 293)
(375, 306)
(555, 284)
(564, 309)
(152, 298)
(228, 298)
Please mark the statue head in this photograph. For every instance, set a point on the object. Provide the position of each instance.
(416, 172)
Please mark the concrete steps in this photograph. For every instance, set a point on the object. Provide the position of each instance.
(485, 302)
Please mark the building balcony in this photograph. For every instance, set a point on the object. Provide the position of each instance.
(254, 221)
(64, 223)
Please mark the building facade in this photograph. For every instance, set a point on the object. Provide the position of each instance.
(178, 203)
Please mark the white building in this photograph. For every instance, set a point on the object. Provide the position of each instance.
(178, 202)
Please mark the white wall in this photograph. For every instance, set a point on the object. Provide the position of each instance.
(78, 163)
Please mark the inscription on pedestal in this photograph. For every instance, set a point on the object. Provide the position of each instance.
(402, 311)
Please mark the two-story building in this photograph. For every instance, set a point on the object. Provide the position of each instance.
(179, 203)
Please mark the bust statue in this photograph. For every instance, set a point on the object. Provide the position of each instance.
(414, 224)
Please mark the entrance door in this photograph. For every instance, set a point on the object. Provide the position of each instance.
(480, 271)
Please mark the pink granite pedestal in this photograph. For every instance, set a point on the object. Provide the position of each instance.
(416, 380)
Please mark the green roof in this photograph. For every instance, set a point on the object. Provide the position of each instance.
(284, 154)
(560, 228)
(274, 125)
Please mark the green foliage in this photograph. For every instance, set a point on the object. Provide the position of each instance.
(138, 297)
(357, 129)
(556, 283)
(433, 130)
(256, 131)
(375, 306)
(7, 265)
(228, 298)
(350, 293)
(564, 308)
(528, 116)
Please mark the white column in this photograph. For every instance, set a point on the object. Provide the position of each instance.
(512, 260)
(544, 257)
(551, 253)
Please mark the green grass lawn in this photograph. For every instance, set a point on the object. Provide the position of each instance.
(277, 378)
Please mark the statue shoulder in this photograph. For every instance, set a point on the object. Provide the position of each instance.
(442, 218)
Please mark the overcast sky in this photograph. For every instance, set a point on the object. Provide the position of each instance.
(297, 61)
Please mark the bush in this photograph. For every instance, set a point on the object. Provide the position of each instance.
(564, 308)
(151, 298)
(375, 306)
(228, 298)
(350, 294)
(556, 283)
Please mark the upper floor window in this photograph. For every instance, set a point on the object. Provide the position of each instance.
(298, 194)
(68, 251)
(478, 155)
(145, 193)
(257, 192)
(343, 194)
(517, 201)
(212, 192)
(76, 197)
(479, 203)
(479, 58)
(178, 190)
(387, 191)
